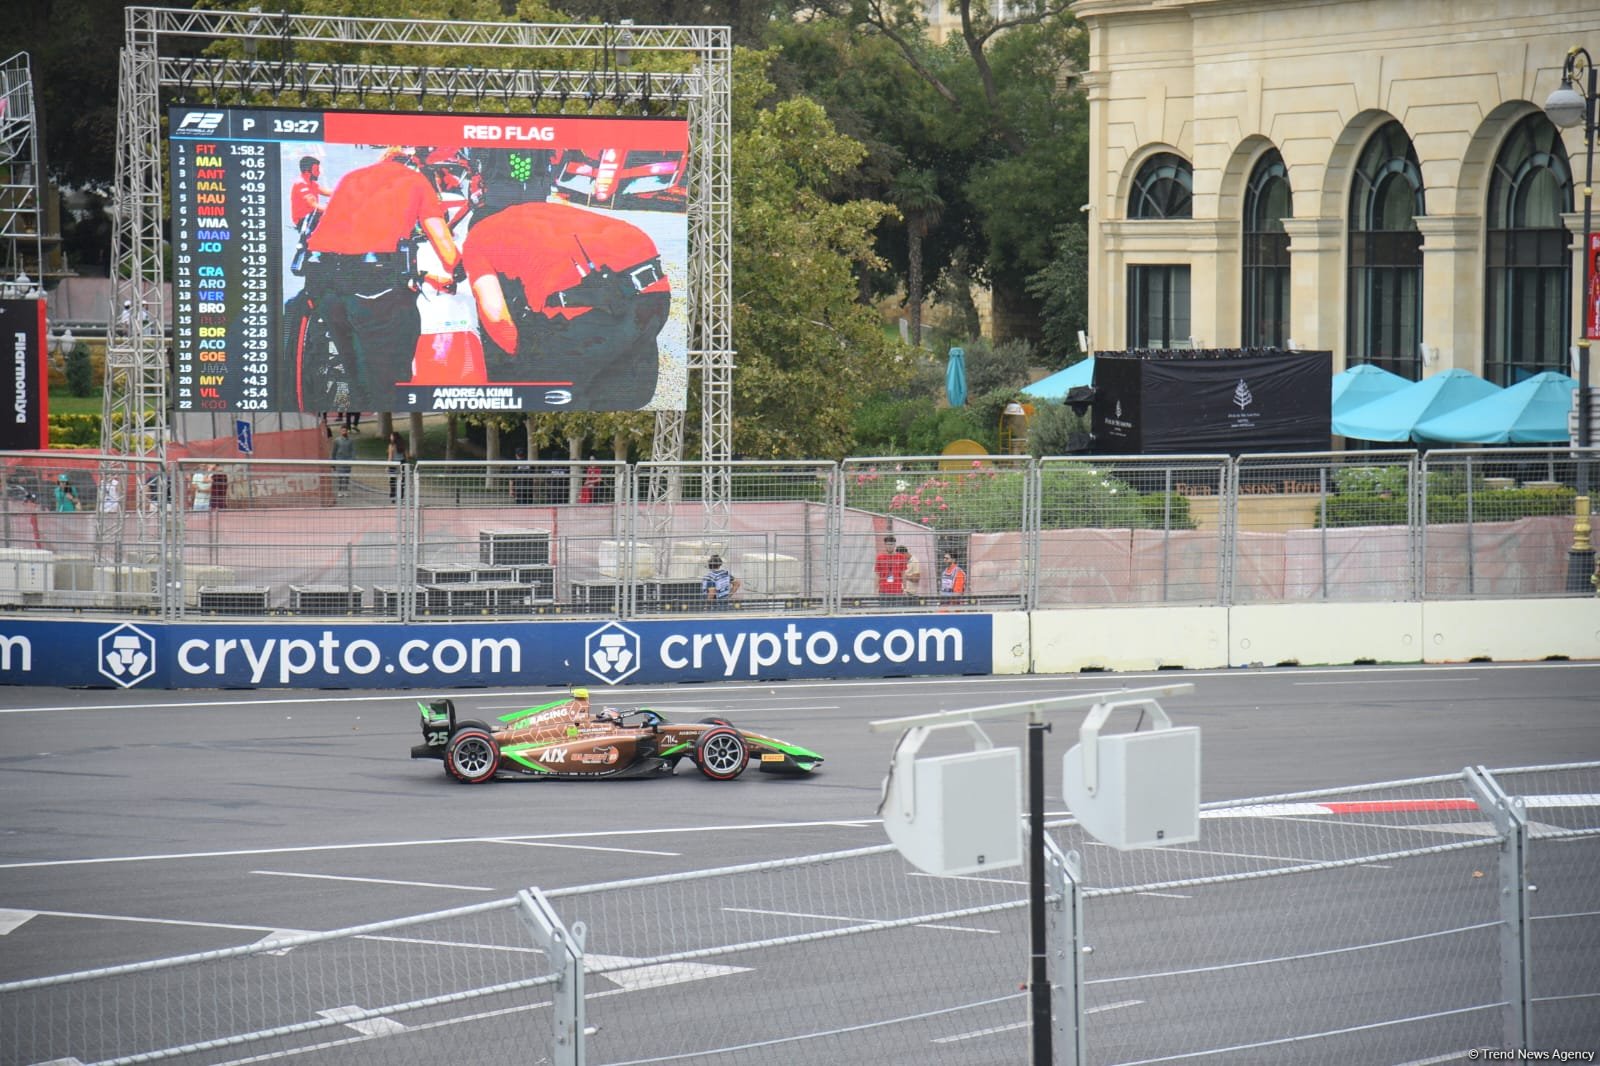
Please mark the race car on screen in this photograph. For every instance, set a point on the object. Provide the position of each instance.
(565, 739)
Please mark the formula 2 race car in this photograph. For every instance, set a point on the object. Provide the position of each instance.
(564, 739)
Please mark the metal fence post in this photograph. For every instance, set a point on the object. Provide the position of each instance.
(1228, 520)
(1417, 522)
(1064, 937)
(564, 949)
(1510, 819)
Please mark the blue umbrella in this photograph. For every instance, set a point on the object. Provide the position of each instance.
(955, 377)
(1533, 411)
(1394, 416)
(1362, 384)
(1056, 386)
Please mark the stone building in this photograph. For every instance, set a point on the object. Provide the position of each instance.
(1374, 177)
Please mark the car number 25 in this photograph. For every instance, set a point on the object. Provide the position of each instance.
(438, 738)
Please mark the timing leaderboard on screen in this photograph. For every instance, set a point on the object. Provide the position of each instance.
(224, 329)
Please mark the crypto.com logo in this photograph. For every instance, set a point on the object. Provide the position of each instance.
(127, 655)
(611, 652)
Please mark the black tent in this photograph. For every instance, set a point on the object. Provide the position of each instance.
(1211, 400)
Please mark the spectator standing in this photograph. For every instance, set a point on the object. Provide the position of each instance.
(344, 450)
(397, 458)
(66, 495)
(953, 579)
(890, 568)
(200, 484)
(719, 584)
(111, 493)
(591, 482)
(219, 488)
(522, 481)
(911, 579)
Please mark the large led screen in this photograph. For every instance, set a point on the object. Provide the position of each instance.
(335, 260)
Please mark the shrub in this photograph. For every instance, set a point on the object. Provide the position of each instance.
(80, 371)
(74, 430)
(986, 499)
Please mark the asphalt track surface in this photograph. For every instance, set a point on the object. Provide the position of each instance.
(137, 825)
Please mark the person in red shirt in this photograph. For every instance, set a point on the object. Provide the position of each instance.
(360, 275)
(305, 198)
(575, 297)
(890, 568)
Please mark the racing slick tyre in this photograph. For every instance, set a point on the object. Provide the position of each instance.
(715, 721)
(721, 753)
(472, 756)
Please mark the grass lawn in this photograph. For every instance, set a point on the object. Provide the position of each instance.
(63, 402)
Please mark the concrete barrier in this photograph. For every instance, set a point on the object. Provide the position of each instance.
(1320, 634)
(1510, 630)
(1130, 638)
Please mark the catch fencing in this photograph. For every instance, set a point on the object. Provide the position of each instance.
(198, 539)
(1410, 921)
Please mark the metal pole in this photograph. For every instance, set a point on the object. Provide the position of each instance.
(1584, 435)
(1039, 974)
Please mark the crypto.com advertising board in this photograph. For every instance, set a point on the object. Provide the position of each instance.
(427, 656)
(332, 260)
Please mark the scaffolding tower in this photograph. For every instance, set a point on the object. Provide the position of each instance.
(22, 222)
(250, 56)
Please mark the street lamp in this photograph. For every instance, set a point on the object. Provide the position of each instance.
(1566, 107)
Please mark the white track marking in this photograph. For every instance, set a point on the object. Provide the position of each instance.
(976, 1033)
(426, 843)
(372, 881)
(12, 920)
(622, 970)
(379, 1026)
(852, 920)
(579, 847)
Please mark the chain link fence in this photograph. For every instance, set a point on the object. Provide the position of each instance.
(468, 985)
(1132, 530)
(774, 539)
(1402, 922)
(952, 533)
(1490, 517)
(198, 539)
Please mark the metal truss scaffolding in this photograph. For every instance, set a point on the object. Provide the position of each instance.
(254, 56)
(21, 210)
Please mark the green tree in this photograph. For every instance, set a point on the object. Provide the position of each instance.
(1062, 289)
(1005, 100)
(916, 193)
(80, 372)
(807, 352)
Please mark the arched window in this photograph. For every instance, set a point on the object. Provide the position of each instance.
(1163, 189)
(1158, 293)
(1266, 254)
(1528, 269)
(1386, 255)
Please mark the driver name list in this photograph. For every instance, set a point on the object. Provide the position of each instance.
(224, 271)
